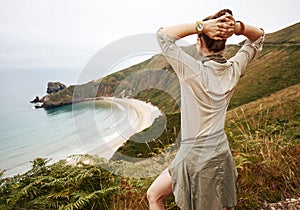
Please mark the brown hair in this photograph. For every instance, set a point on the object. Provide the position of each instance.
(211, 44)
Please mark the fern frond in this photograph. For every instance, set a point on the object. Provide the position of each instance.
(91, 199)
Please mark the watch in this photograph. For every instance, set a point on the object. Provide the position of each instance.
(199, 27)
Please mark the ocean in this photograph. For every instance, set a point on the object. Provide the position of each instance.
(27, 133)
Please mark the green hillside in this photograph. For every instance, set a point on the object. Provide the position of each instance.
(289, 35)
(277, 67)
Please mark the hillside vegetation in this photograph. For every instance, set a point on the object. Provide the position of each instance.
(263, 128)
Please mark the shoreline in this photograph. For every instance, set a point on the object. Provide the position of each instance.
(142, 117)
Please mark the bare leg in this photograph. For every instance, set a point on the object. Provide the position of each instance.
(159, 190)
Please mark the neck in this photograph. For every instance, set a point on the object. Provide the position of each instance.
(218, 57)
(206, 52)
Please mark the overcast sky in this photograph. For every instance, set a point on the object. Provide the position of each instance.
(67, 33)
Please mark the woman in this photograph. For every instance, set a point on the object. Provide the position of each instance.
(203, 173)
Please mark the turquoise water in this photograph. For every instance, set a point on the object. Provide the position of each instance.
(27, 133)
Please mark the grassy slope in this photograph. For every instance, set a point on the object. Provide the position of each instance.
(289, 35)
(264, 136)
(276, 68)
(286, 100)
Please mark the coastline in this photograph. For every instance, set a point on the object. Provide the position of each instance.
(143, 116)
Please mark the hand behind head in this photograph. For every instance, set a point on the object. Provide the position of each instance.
(226, 25)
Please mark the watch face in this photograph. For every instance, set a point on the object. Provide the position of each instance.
(200, 27)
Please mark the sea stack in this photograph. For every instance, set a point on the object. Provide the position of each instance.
(54, 87)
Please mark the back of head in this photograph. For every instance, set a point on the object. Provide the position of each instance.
(211, 44)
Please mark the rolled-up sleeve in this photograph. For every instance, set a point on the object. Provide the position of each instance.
(183, 64)
(247, 53)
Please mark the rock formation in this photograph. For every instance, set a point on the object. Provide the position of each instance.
(54, 87)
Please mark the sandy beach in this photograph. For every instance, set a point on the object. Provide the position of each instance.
(140, 115)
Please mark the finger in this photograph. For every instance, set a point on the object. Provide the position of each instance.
(225, 28)
(225, 34)
(221, 19)
(227, 25)
(231, 23)
(218, 38)
(225, 22)
(228, 30)
(221, 38)
(221, 34)
(225, 18)
(230, 17)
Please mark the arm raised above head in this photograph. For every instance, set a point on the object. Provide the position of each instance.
(251, 47)
(251, 32)
(218, 29)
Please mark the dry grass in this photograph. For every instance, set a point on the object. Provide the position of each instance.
(267, 162)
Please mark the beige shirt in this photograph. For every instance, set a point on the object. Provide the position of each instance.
(206, 87)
